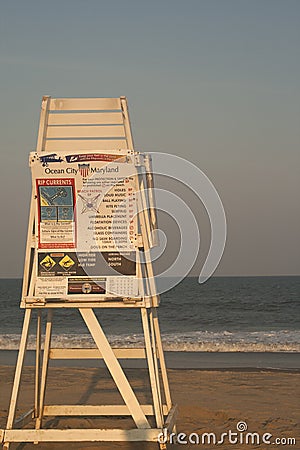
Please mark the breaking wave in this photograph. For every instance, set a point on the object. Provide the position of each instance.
(199, 341)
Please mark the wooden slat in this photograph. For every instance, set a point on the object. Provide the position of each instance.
(97, 144)
(81, 104)
(96, 410)
(93, 353)
(39, 302)
(43, 123)
(127, 121)
(81, 435)
(86, 118)
(86, 132)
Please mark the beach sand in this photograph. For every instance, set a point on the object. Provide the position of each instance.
(208, 401)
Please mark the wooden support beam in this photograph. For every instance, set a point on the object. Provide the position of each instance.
(81, 435)
(114, 367)
(18, 372)
(94, 353)
(40, 147)
(39, 302)
(70, 131)
(44, 373)
(88, 104)
(57, 145)
(93, 118)
(171, 419)
(96, 410)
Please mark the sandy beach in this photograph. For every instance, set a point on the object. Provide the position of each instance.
(208, 401)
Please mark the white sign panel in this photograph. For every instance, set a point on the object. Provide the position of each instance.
(86, 224)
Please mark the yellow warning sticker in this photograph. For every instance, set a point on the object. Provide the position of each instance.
(47, 263)
(66, 262)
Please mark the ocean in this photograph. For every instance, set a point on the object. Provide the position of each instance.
(226, 314)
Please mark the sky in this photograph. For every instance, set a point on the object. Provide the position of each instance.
(216, 82)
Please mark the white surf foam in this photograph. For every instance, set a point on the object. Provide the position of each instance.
(207, 341)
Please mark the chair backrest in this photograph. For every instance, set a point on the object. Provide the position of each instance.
(84, 124)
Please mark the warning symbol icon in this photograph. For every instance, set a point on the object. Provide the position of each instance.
(86, 288)
(66, 262)
(47, 263)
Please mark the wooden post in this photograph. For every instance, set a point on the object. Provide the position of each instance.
(37, 364)
(18, 372)
(44, 374)
(152, 375)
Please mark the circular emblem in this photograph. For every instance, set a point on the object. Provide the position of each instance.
(86, 288)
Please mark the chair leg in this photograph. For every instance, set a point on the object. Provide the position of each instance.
(38, 423)
(18, 373)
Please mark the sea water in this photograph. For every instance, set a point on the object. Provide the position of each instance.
(224, 314)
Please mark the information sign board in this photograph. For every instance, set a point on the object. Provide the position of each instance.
(86, 224)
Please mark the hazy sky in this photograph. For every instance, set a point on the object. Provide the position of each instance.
(216, 82)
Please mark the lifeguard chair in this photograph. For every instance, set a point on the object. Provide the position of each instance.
(84, 161)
